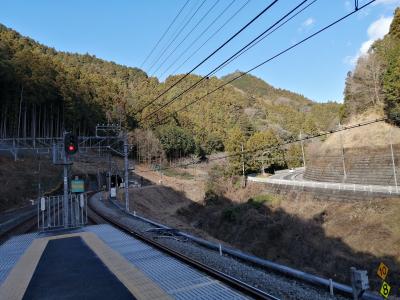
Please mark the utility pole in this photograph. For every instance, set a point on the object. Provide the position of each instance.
(126, 162)
(342, 152)
(393, 162)
(65, 198)
(302, 151)
(244, 177)
(160, 170)
(40, 181)
(109, 173)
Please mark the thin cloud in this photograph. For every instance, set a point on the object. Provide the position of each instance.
(387, 2)
(377, 30)
(306, 24)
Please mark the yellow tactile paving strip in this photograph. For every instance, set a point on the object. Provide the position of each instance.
(13, 288)
(17, 281)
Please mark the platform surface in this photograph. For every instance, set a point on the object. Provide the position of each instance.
(98, 262)
(82, 275)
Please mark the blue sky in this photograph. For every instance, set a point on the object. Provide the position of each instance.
(124, 31)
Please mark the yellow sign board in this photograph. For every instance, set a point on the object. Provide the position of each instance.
(77, 186)
(383, 271)
(385, 290)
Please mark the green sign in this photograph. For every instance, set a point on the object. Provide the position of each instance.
(77, 186)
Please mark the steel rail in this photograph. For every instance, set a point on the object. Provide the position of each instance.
(26, 222)
(224, 278)
(314, 280)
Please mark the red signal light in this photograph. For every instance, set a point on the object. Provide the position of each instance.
(70, 144)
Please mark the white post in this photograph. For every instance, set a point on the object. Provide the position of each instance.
(331, 286)
(393, 163)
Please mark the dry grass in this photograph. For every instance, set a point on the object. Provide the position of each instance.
(298, 228)
(310, 234)
(370, 226)
(371, 136)
(192, 188)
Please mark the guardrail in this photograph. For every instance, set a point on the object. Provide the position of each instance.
(388, 190)
(286, 171)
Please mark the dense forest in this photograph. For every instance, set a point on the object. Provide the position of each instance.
(375, 82)
(44, 91)
(289, 113)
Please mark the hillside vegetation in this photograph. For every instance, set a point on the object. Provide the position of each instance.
(375, 81)
(287, 112)
(44, 91)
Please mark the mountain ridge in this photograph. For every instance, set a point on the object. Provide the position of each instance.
(44, 91)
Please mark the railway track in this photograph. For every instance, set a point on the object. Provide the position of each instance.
(15, 227)
(277, 280)
(236, 284)
(96, 216)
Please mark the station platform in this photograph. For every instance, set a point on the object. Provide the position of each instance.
(98, 262)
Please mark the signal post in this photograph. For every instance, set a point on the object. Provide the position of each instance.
(70, 148)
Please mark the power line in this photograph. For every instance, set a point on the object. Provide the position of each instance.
(186, 36)
(211, 36)
(271, 58)
(210, 55)
(263, 38)
(285, 143)
(176, 36)
(212, 72)
(165, 32)
(198, 37)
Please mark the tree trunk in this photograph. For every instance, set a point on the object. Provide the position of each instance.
(20, 106)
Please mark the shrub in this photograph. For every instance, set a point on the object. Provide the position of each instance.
(231, 214)
(259, 200)
(211, 198)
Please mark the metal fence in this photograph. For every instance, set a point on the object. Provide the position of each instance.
(53, 213)
(330, 185)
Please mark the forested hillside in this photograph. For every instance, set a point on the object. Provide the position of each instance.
(375, 82)
(44, 91)
(287, 112)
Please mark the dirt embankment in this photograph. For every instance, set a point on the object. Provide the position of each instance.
(192, 188)
(297, 228)
(319, 237)
(19, 180)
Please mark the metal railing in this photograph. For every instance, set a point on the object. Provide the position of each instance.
(52, 212)
(391, 190)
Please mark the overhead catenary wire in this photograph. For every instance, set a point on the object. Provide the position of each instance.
(210, 55)
(202, 18)
(263, 38)
(268, 60)
(177, 33)
(214, 70)
(197, 38)
(279, 145)
(212, 35)
(164, 34)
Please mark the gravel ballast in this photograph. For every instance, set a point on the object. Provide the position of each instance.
(272, 283)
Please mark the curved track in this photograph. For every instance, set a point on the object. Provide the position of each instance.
(232, 282)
